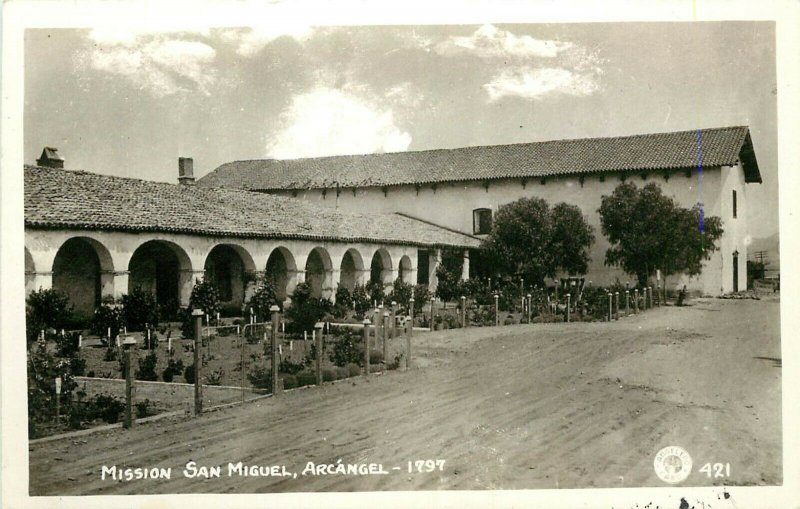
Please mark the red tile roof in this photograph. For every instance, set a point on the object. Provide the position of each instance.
(674, 150)
(57, 198)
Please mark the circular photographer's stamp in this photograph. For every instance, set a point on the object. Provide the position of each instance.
(672, 464)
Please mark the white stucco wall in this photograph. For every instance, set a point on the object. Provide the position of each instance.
(451, 205)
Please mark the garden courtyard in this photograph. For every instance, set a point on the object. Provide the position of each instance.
(544, 405)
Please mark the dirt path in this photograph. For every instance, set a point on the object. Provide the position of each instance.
(542, 406)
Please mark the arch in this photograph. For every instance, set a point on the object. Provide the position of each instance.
(318, 270)
(405, 270)
(380, 269)
(30, 272)
(279, 266)
(79, 269)
(160, 267)
(352, 265)
(227, 266)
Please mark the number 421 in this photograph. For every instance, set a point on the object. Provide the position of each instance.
(716, 470)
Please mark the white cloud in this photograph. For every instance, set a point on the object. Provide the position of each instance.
(534, 83)
(327, 121)
(162, 64)
(490, 42)
(251, 40)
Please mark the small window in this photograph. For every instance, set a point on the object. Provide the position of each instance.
(481, 221)
(734, 203)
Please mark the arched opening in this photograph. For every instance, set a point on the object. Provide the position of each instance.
(30, 272)
(405, 271)
(226, 267)
(77, 272)
(352, 265)
(318, 267)
(279, 264)
(380, 269)
(156, 267)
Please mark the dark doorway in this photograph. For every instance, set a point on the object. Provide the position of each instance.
(735, 271)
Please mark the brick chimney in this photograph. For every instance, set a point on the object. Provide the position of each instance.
(185, 170)
(50, 158)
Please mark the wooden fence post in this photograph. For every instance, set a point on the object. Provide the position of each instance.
(636, 301)
(529, 308)
(198, 345)
(318, 343)
(385, 337)
(609, 306)
(496, 310)
(463, 312)
(366, 347)
(569, 297)
(410, 325)
(616, 305)
(276, 318)
(432, 303)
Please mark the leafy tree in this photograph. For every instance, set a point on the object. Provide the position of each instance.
(375, 292)
(46, 309)
(139, 308)
(401, 293)
(530, 240)
(306, 310)
(361, 301)
(448, 275)
(264, 298)
(107, 316)
(650, 231)
(204, 297)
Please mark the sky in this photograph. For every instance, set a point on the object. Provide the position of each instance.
(129, 102)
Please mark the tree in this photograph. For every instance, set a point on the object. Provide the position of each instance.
(46, 309)
(139, 308)
(204, 297)
(264, 298)
(448, 275)
(650, 231)
(530, 240)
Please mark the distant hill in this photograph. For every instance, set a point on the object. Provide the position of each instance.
(771, 246)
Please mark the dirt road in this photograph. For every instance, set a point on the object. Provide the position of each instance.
(541, 406)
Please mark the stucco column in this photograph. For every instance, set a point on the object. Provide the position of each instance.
(294, 278)
(387, 287)
(118, 285)
(465, 267)
(186, 280)
(434, 259)
(330, 283)
(362, 277)
(252, 277)
(40, 281)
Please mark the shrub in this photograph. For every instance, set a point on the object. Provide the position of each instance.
(375, 293)
(77, 366)
(43, 369)
(341, 372)
(401, 293)
(145, 409)
(188, 374)
(139, 308)
(306, 310)
(67, 344)
(152, 344)
(110, 354)
(328, 375)
(289, 381)
(46, 309)
(344, 302)
(204, 297)
(421, 296)
(107, 316)
(215, 377)
(147, 367)
(289, 367)
(347, 349)
(264, 297)
(361, 301)
(167, 375)
(306, 378)
(260, 378)
(108, 407)
(375, 357)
